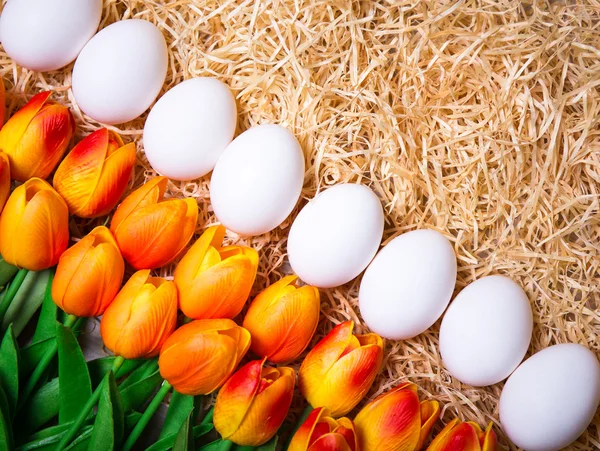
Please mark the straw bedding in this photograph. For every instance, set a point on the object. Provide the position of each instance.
(479, 119)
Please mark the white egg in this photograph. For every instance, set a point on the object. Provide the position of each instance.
(44, 35)
(119, 73)
(408, 285)
(550, 400)
(257, 180)
(486, 331)
(336, 235)
(189, 127)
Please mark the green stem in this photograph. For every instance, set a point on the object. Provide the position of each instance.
(89, 405)
(11, 292)
(42, 366)
(146, 416)
(307, 410)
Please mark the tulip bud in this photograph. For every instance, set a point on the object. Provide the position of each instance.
(141, 317)
(34, 226)
(214, 281)
(321, 431)
(89, 275)
(4, 179)
(340, 369)
(36, 137)
(200, 356)
(282, 320)
(253, 403)
(94, 175)
(152, 231)
(396, 420)
(457, 436)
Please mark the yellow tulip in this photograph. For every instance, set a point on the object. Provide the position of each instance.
(468, 436)
(34, 226)
(200, 356)
(282, 320)
(36, 137)
(253, 403)
(215, 281)
(340, 369)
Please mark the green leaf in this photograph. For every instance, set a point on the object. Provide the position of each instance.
(46, 326)
(6, 437)
(99, 367)
(73, 376)
(7, 272)
(9, 369)
(81, 443)
(166, 443)
(180, 407)
(108, 427)
(145, 370)
(131, 419)
(271, 445)
(136, 395)
(40, 408)
(212, 446)
(185, 439)
(49, 442)
(27, 300)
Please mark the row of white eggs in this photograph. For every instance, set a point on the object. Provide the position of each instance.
(256, 182)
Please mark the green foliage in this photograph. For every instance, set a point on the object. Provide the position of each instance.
(180, 408)
(109, 425)
(137, 394)
(9, 370)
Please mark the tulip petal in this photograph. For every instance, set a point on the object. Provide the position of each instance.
(4, 176)
(430, 412)
(267, 412)
(148, 194)
(330, 442)
(490, 441)
(347, 430)
(188, 224)
(301, 439)
(456, 436)
(235, 398)
(16, 127)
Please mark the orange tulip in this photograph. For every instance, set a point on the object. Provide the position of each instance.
(141, 317)
(36, 137)
(457, 436)
(89, 275)
(94, 175)
(34, 226)
(200, 356)
(215, 281)
(340, 369)
(4, 179)
(152, 231)
(253, 403)
(320, 432)
(396, 420)
(282, 320)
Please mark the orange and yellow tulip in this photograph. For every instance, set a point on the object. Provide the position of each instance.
(36, 137)
(253, 403)
(152, 231)
(4, 179)
(94, 175)
(89, 275)
(214, 281)
(468, 436)
(396, 420)
(141, 317)
(34, 226)
(321, 432)
(340, 369)
(200, 356)
(282, 320)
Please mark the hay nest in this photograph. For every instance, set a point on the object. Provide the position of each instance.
(479, 119)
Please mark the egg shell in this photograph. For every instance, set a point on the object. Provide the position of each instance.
(189, 128)
(120, 71)
(257, 180)
(408, 285)
(45, 35)
(551, 398)
(336, 235)
(486, 331)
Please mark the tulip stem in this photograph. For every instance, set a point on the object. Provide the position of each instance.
(146, 416)
(305, 413)
(89, 405)
(12, 290)
(42, 365)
